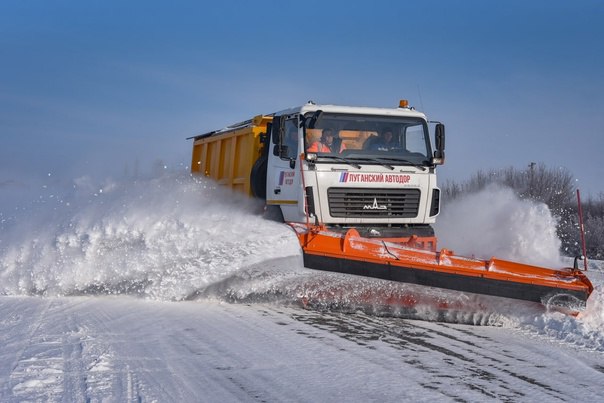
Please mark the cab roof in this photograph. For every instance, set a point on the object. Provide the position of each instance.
(357, 110)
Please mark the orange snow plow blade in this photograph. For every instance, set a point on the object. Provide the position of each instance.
(352, 254)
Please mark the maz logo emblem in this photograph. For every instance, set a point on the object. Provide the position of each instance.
(374, 206)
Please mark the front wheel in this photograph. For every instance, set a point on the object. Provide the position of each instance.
(273, 213)
(258, 177)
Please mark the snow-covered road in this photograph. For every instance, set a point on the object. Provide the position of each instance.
(126, 349)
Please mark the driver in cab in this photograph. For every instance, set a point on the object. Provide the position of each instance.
(327, 144)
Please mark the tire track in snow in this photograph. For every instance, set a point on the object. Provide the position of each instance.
(107, 370)
(61, 358)
(38, 369)
(480, 364)
(72, 338)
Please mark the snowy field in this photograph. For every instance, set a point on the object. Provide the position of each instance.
(171, 290)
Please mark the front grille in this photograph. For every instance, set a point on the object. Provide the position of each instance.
(375, 203)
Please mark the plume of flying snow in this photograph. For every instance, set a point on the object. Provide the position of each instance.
(161, 238)
(495, 222)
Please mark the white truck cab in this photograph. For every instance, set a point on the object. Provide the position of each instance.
(368, 168)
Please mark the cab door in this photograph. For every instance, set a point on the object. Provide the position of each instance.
(283, 174)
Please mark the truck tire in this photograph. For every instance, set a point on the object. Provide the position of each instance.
(273, 213)
(258, 177)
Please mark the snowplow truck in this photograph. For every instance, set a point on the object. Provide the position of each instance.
(358, 186)
(383, 188)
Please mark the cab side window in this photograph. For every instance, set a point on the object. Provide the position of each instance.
(415, 140)
(291, 139)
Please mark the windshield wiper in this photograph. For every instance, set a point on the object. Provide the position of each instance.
(387, 162)
(335, 157)
(415, 164)
(378, 160)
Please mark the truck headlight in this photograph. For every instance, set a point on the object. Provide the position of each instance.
(311, 157)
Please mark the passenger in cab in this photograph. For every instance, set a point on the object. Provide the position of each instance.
(385, 142)
(328, 143)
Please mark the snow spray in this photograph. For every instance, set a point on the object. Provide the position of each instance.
(495, 222)
(160, 238)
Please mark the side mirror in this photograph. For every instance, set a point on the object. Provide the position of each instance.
(439, 139)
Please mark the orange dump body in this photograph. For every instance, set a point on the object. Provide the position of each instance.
(350, 253)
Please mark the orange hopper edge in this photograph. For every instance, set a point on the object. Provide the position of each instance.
(352, 254)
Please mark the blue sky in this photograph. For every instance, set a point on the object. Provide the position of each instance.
(99, 87)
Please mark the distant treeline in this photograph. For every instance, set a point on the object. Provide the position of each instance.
(554, 187)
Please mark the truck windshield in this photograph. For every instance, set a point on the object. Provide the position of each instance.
(369, 139)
